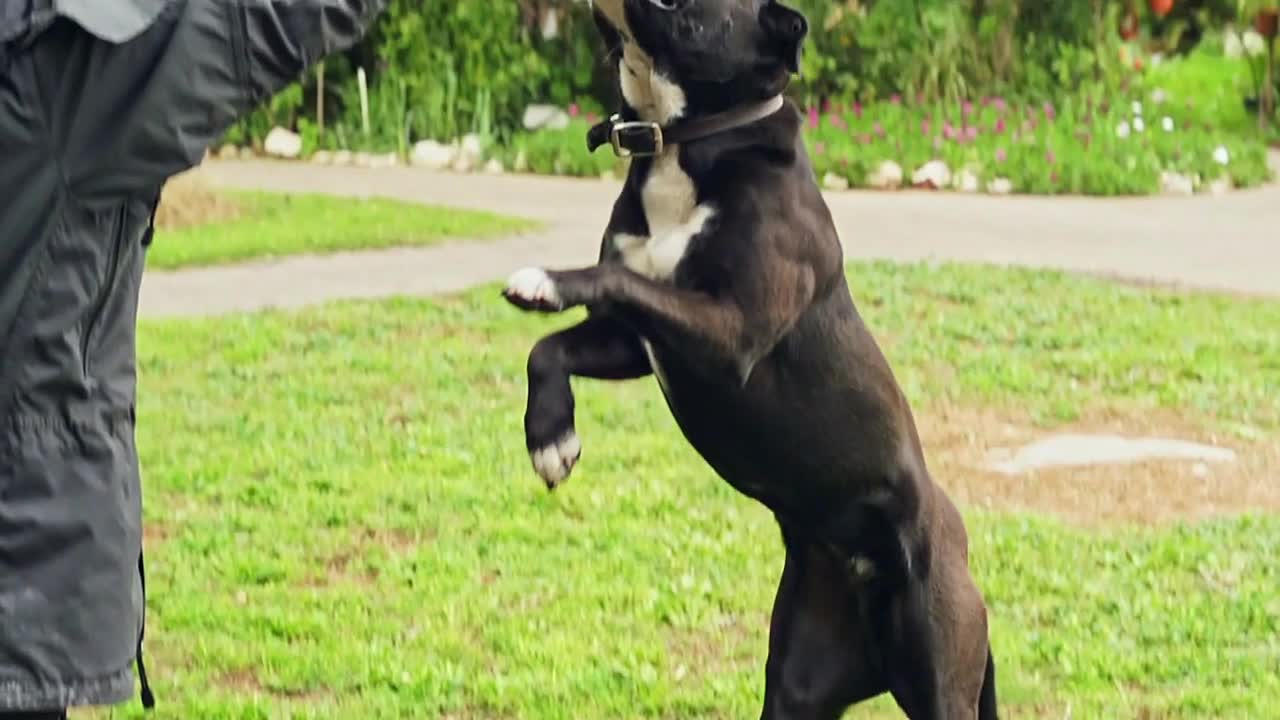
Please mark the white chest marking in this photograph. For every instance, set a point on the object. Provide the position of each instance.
(674, 217)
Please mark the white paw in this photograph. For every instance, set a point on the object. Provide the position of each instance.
(555, 461)
(533, 286)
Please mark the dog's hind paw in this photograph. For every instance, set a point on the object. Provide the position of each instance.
(533, 289)
(555, 461)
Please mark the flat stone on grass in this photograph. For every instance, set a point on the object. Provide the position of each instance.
(1068, 450)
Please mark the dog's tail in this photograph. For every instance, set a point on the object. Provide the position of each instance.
(987, 700)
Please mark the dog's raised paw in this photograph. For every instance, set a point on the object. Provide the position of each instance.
(554, 462)
(532, 289)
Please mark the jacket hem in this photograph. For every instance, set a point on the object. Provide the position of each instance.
(23, 695)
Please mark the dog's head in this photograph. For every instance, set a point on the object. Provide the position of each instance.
(679, 58)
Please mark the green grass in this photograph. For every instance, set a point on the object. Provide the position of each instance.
(346, 525)
(274, 225)
(1215, 86)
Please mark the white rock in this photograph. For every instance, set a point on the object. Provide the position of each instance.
(521, 163)
(1077, 450)
(832, 181)
(228, 152)
(472, 149)
(384, 160)
(933, 174)
(1172, 183)
(342, 157)
(1000, 186)
(494, 167)
(282, 143)
(362, 159)
(322, 157)
(431, 155)
(247, 153)
(1221, 185)
(545, 117)
(967, 181)
(887, 176)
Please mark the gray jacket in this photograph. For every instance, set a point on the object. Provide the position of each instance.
(100, 102)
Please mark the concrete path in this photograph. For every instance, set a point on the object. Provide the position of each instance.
(1230, 242)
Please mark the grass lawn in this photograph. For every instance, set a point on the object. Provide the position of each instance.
(267, 225)
(343, 522)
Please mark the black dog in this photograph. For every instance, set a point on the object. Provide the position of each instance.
(722, 274)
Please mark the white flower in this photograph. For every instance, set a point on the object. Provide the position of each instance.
(1138, 125)
(1222, 156)
(1254, 43)
(1159, 96)
(1137, 107)
(1122, 130)
(1167, 124)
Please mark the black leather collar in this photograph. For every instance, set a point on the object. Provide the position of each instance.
(645, 139)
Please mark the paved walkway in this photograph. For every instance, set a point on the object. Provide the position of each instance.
(1230, 242)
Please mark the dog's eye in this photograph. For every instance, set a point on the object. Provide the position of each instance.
(667, 4)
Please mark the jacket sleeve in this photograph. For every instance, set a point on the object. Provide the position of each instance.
(128, 116)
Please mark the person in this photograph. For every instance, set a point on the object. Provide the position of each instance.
(101, 101)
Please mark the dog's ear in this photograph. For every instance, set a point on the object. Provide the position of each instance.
(786, 29)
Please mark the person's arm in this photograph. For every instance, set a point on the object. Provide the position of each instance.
(128, 116)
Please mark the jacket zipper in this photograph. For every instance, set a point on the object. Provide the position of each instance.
(104, 293)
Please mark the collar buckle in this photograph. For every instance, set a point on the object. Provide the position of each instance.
(623, 137)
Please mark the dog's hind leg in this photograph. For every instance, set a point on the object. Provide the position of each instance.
(599, 347)
(934, 641)
(819, 660)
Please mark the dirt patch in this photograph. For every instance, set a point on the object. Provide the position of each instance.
(346, 566)
(189, 200)
(959, 441)
(244, 681)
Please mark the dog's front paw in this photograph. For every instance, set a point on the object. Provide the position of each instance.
(533, 289)
(554, 462)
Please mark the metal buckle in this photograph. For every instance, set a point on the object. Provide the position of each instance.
(653, 130)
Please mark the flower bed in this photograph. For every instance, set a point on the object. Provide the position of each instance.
(1078, 146)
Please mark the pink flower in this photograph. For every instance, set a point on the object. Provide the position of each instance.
(574, 110)
(865, 138)
(971, 132)
(999, 104)
(591, 118)
(1050, 157)
(819, 149)
(1001, 155)
(857, 109)
(1000, 126)
(1049, 112)
(813, 118)
(924, 126)
(1053, 178)
(837, 121)
(948, 131)
(879, 130)
(895, 99)
(967, 108)
(826, 106)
